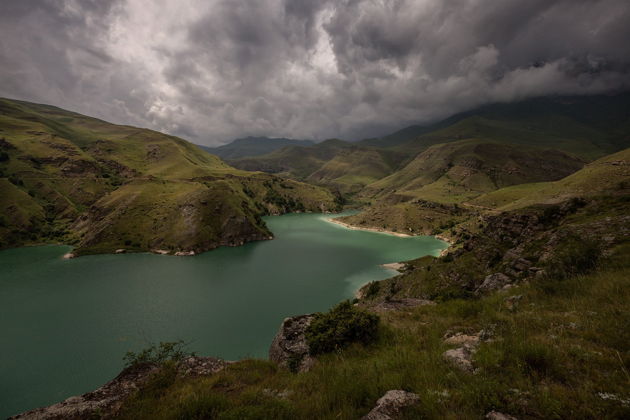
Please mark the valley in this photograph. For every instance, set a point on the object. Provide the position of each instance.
(532, 198)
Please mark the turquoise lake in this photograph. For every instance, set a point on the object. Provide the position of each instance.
(66, 324)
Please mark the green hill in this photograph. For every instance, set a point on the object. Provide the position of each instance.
(253, 146)
(65, 177)
(461, 170)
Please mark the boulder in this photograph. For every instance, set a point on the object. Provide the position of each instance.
(390, 405)
(493, 282)
(460, 357)
(289, 348)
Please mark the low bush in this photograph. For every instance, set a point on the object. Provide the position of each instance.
(172, 351)
(576, 257)
(341, 326)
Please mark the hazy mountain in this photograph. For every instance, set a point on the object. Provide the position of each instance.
(253, 146)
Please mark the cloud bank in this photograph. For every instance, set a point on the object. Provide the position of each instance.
(211, 71)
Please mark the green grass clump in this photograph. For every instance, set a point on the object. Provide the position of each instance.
(171, 351)
(341, 326)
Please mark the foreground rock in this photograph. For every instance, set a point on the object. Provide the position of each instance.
(390, 405)
(107, 400)
(462, 356)
(289, 348)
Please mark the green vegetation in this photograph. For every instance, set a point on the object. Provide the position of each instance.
(165, 352)
(341, 326)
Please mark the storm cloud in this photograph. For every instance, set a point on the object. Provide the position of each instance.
(211, 71)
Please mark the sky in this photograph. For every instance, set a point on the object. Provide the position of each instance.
(214, 70)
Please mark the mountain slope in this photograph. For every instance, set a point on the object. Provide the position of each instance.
(452, 172)
(585, 126)
(335, 163)
(610, 174)
(71, 178)
(253, 146)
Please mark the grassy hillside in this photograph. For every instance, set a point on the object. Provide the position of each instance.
(457, 171)
(253, 146)
(66, 177)
(608, 174)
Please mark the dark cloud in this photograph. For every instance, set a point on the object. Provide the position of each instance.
(211, 71)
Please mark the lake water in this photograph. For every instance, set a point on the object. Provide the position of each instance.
(65, 325)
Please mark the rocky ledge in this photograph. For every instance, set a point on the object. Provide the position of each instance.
(107, 400)
(289, 348)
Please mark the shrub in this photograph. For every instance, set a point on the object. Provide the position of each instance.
(372, 289)
(341, 326)
(576, 257)
(172, 351)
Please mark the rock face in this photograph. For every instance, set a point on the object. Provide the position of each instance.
(289, 348)
(107, 400)
(494, 282)
(390, 405)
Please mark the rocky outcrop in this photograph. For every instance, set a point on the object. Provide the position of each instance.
(495, 415)
(107, 400)
(462, 356)
(493, 282)
(390, 405)
(289, 348)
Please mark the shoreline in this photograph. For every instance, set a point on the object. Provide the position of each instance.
(367, 229)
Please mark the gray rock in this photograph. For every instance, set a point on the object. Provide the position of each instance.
(390, 405)
(289, 348)
(521, 264)
(460, 357)
(494, 282)
(495, 415)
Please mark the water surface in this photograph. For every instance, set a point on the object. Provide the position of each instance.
(66, 324)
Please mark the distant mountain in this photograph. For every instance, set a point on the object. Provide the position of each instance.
(69, 178)
(341, 165)
(585, 126)
(253, 146)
